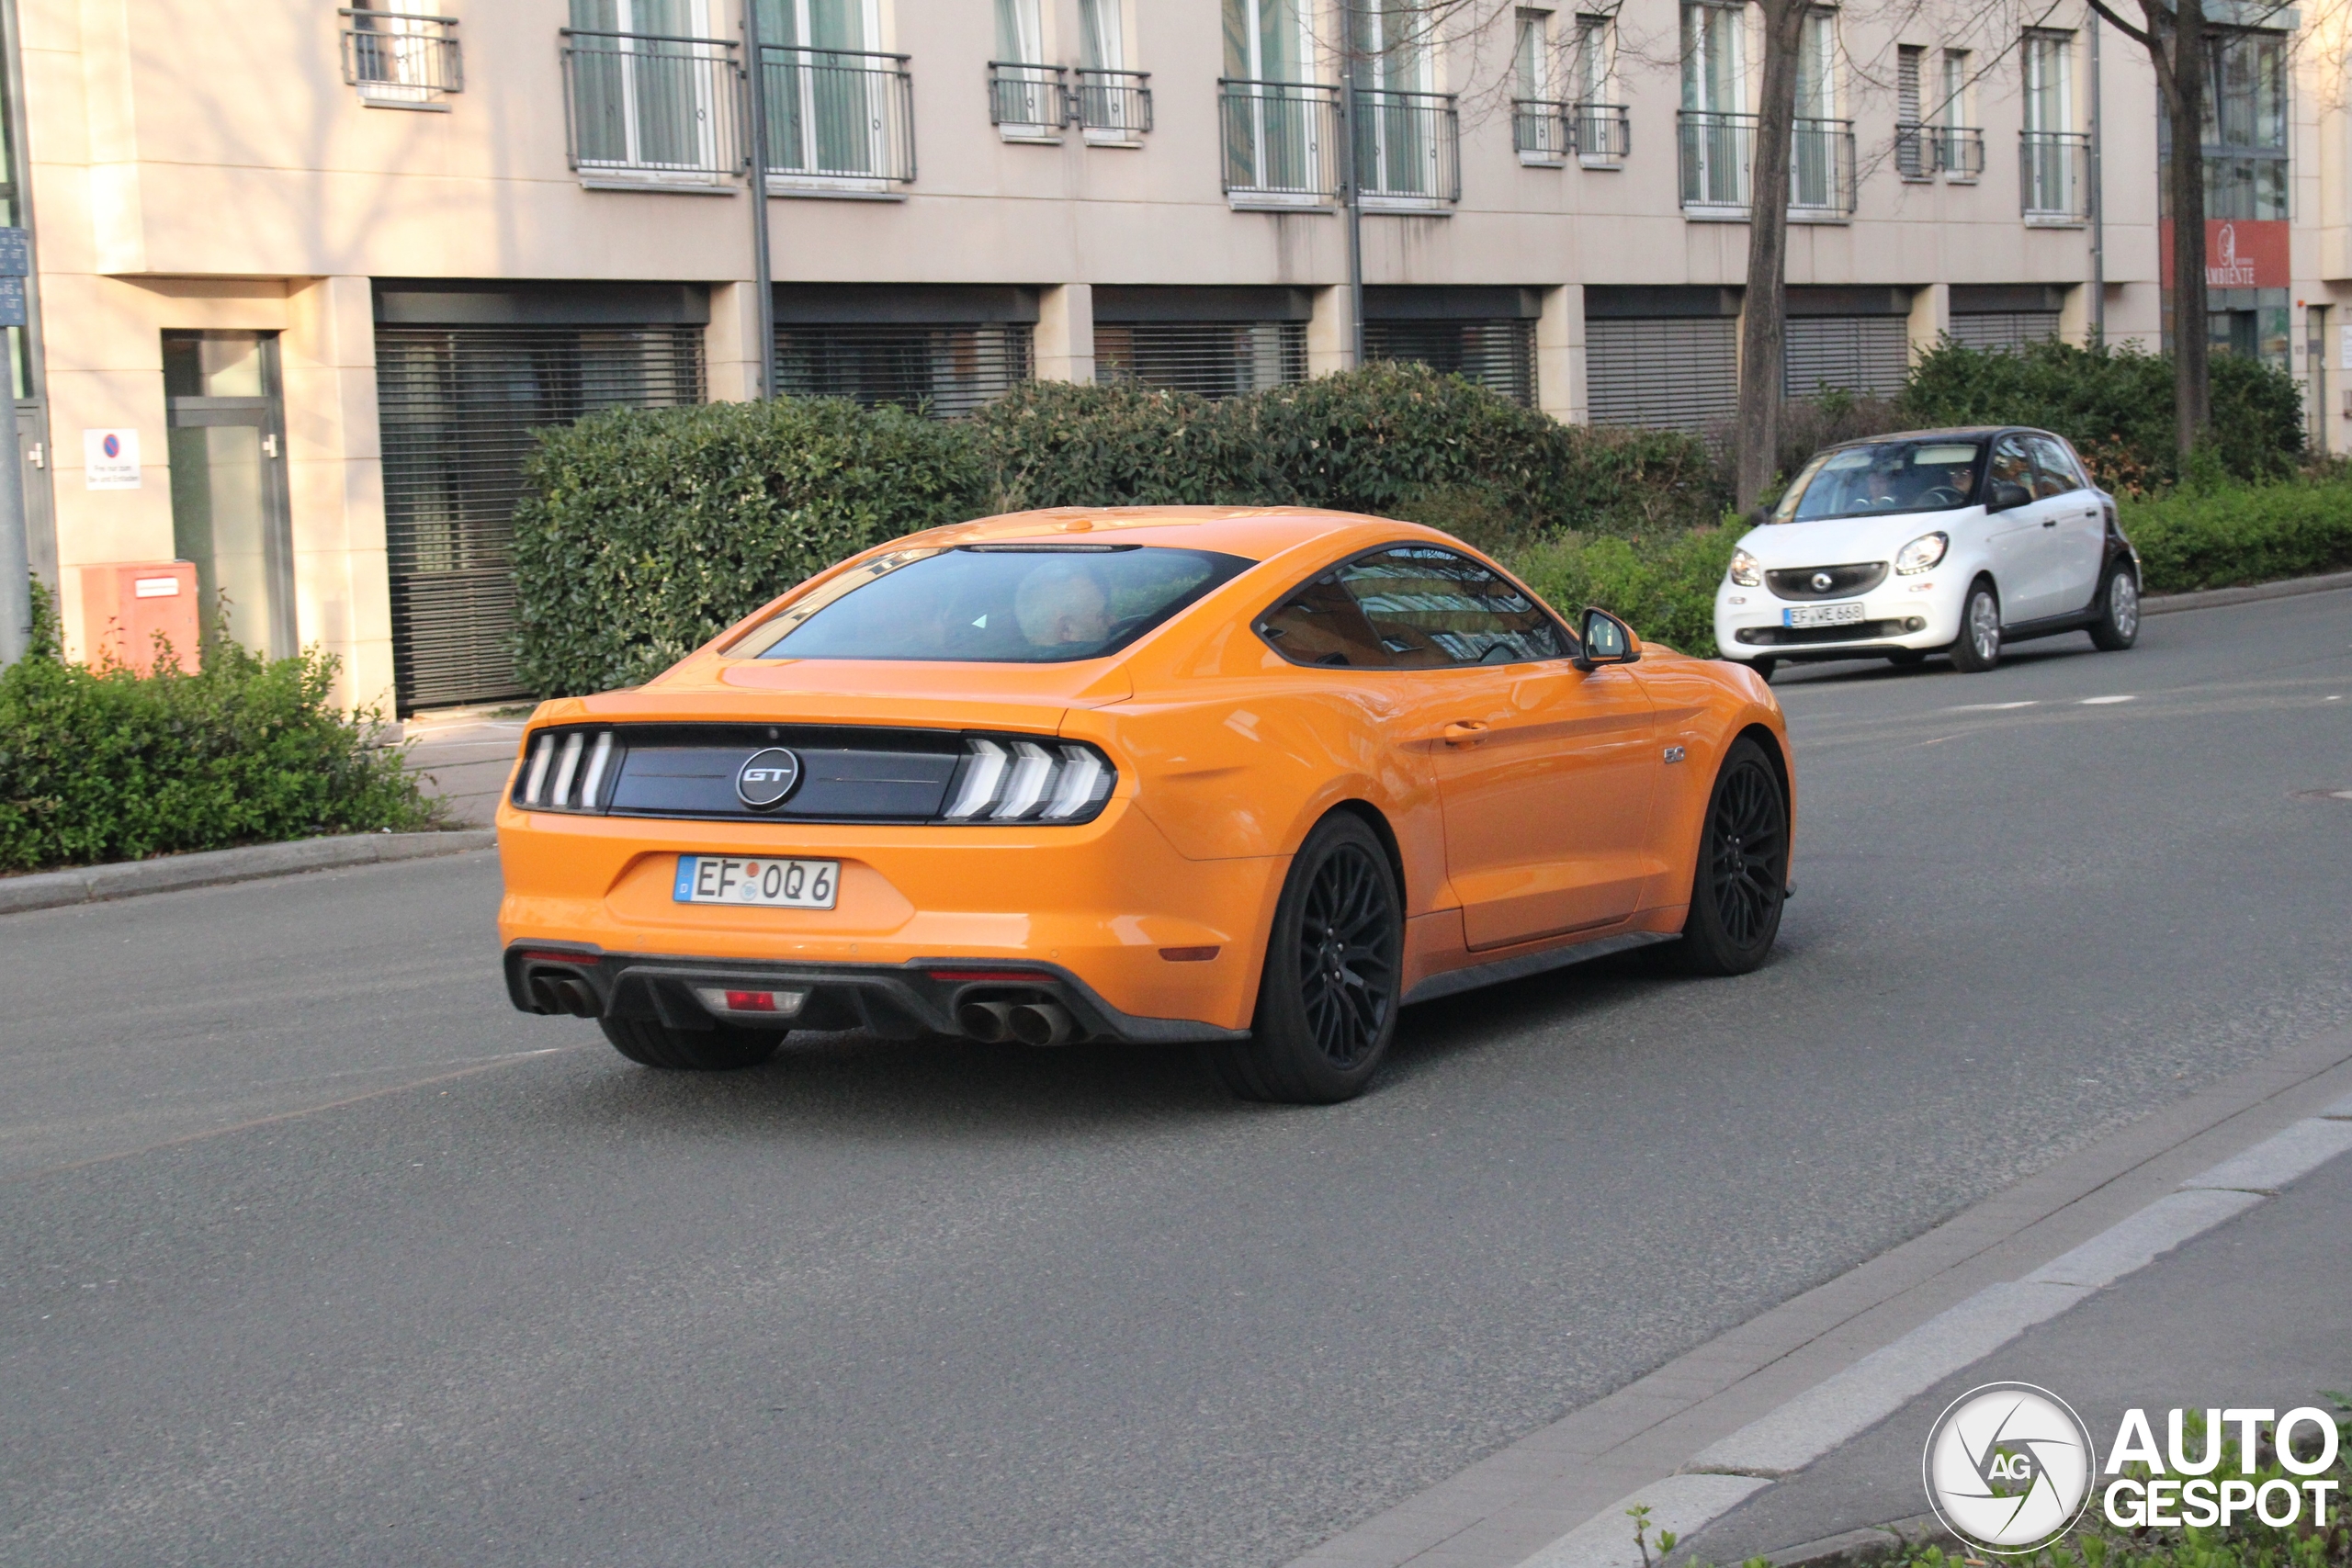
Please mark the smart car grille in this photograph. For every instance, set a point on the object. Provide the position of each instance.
(827, 773)
(1800, 583)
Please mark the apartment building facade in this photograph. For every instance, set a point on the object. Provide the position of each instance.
(305, 280)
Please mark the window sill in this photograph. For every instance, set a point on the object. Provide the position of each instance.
(1698, 213)
(1030, 136)
(1601, 161)
(1408, 206)
(1131, 140)
(820, 188)
(1833, 220)
(430, 106)
(2056, 220)
(1916, 179)
(1276, 201)
(1963, 179)
(656, 186)
(1542, 161)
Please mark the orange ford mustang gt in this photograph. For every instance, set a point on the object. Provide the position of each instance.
(1251, 779)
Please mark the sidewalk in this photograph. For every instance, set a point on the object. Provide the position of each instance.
(463, 755)
(2253, 1313)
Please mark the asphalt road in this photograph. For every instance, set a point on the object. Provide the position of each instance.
(311, 1249)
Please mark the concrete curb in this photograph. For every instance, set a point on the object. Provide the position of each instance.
(2213, 598)
(89, 884)
(1870, 1545)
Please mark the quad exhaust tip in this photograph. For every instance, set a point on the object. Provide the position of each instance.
(991, 1021)
(1042, 1023)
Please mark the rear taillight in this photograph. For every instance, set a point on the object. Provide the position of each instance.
(1024, 780)
(569, 770)
(768, 1004)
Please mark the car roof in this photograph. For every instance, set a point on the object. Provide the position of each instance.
(1256, 533)
(1946, 433)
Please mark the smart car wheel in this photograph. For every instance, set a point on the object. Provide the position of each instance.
(2117, 627)
(1326, 1005)
(722, 1049)
(1978, 647)
(1742, 875)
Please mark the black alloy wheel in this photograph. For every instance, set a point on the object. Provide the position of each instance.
(1741, 881)
(1326, 1004)
(722, 1049)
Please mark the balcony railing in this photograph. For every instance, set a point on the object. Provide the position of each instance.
(651, 107)
(1821, 168)
(1028, 100)
(1915, 151)
(401, 59)
(1715, 153)
(1959, 151)
(1604, 132)
(2053, 175)
(838, 116)
(1280, 140)
(1408, 148)
(1542, 131)
(1115, 106)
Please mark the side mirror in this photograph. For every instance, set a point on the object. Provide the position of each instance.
(2005, 494)
(1607, 640)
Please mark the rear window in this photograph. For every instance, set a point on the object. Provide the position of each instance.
(993, 604)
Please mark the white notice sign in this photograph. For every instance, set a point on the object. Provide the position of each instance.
(110, 460)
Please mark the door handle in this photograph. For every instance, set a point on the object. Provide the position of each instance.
(2050, 522)
(1465, 732)
(2091, 512)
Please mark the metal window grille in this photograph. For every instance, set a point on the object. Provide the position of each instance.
(1540, 129)
(648, 106)
(1604, 132)
(1674, 373)
(1280, 139)
(1217, 359)
(1869, 355)
(1959, 151)
(942, 369)
(1915, 151)
(457, 406)
(2053, 174)
(1716, 149)
(399, 57)
(838, 113)
(2004, 328)
(1498, 355)
(1033, 98)
(1117, 103)
(1407, 146)
(1821, 167)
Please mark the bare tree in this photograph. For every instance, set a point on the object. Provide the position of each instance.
(1763, 326)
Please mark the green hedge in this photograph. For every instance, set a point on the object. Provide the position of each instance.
(2116, 406)
(1663, 587)
(642, 534)
(108, 765)
(2223, 536)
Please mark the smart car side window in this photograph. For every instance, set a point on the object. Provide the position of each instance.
(1432, 607)
(1321, 623)
(2054, 466)
(2010, 462)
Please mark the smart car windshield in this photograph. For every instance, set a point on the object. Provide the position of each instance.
(994, 603)
(1885, 476)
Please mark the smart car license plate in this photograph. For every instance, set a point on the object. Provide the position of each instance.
(1822, 615)
(771, 884)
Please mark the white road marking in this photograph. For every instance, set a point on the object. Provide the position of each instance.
(2096, 702)
(1993, 707)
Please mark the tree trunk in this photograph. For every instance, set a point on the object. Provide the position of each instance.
(2181, 79)
(1764, 308)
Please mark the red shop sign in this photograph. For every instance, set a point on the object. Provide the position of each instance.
(2240, 252)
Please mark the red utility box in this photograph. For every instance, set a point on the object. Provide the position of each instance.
(125, 604)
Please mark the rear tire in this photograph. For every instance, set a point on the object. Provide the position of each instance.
(2117, 627)
(1764, 667)
(720, 1050)
(1742, 877)
(1327, 1003)
(1978, 647)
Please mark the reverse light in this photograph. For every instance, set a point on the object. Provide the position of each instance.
(772, 1004)
(1016, 781)
(1745, 570)
(1921, 554)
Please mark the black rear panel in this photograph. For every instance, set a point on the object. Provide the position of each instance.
(847, 775)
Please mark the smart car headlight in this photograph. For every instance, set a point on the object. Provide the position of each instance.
(1920, 554)
(1748, 572)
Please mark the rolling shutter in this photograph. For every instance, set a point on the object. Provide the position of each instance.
(943, 369)
(1498, 355)
(1869, 355)
(1674, 372)
(1217, 359)
(2004, 328)
(457, 406)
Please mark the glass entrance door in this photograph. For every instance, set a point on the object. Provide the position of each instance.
(226, 437)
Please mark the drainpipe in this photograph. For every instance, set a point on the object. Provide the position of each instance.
(764, 384)
(1348, 184)
(15, 555)
(2098, 207)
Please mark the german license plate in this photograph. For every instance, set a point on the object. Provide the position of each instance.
(768, 883)
(1845, 615)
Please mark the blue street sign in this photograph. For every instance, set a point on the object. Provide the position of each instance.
(11, 301)
(16, 255)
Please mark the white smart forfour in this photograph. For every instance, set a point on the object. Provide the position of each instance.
(1939, 541)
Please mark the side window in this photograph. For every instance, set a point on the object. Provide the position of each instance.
(1430, 607)
(2056, 468)
(1321, 623)
(2010, 462)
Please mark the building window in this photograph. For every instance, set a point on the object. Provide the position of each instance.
(1114, 101)
(1663, 357)
(1215, 359)
(1821, 148)
(1495, 353)
(1024, 92)
(1279, 124)
(1405, 129)
(2055, 158)
(1959, 144)
(1915, 148)
(401, 54)
(1716, 132)
(2246, 126)
(943, 368)
(840, 114)
(1604, 129)
(1540, 120)
(652, 96)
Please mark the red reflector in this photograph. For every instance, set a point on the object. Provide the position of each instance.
(559, 957)
(998, 976)
(753, 1001)
(1188, 954)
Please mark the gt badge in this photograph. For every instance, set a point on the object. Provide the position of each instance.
(767, 778)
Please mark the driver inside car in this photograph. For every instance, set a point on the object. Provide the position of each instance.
(1061, 604)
